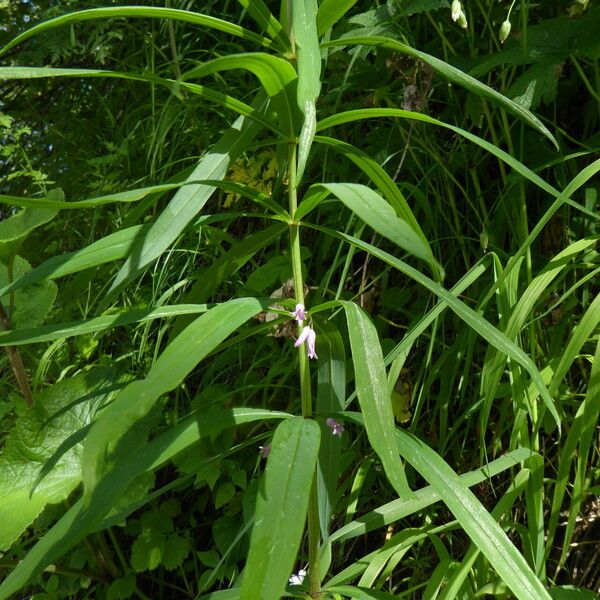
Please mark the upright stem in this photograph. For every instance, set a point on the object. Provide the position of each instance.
(314, 571)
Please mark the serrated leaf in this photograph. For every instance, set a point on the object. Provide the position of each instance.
(59, 411)
(121, 589)
(148, 550)
(31, 303)
(176, 550)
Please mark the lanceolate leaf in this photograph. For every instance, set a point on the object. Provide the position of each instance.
(304, 15)
(276, 75)
(374, 400)
(330, 12)
(189, 200)
(222, 99)
(140, 12)
(452, 74)
(281, 508)
(112, 247)
(172, 366)
(259, 11)
(378, 214)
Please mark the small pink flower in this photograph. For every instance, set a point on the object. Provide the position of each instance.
(300, 313)
(264, 450)
(309, 336)
(336, 428)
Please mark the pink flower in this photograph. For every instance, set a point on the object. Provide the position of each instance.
(264, 450)
(309, 336)
(336, 428)
(300, 313)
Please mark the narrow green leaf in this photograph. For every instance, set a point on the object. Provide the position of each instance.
(147, 12)
(171, 367)
(467, 314)
(330, 12)
(378, 214)
(379, 177)
(399, 509)
(260, 12)
(224, 100)
(308, 53)
(276, 75)
(112, 247)
(48, 333)
(281, 507)
(452, 74)
(331, 393)
(189, 200)
(374, 400)
(487, 535)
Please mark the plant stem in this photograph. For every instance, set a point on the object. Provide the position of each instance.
(314, 571)
(16, 362)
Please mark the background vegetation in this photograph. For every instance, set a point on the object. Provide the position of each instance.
(135, 431)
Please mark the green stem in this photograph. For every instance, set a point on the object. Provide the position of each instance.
(314, 571)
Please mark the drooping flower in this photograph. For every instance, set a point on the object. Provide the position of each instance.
(336, 427)
(300, 313)
(456, 10)
(309, 336)
(297, 579)
(264, 450)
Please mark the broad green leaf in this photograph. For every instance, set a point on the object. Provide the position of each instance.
(169, 370)
(360, 593)
(399, 509)
(308, 61)
(81, 520)
(452, 74)
(31, 303)
(189, 200)
(330, 12)
(281, 507)
(112, 247)
(466, 313)
(374, 400)
(570, 592)
(370, 207)
(276, 75)
(224, 100)
(15, 229)
(48, 333)
(260, 12)
(59, 411)
(146, 12)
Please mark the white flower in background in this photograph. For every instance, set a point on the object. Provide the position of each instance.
(298, 578)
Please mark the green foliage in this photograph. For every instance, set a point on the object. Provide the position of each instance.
(365, 165)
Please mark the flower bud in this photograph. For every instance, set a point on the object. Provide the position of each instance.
(462, 20)
(504, 31)
(456, 10)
